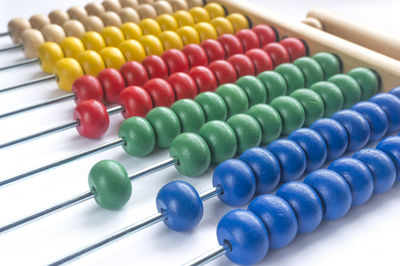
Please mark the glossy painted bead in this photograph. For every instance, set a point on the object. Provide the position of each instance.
(234, 97)
(49, 53)
(261, 60)
(265, 33)
(214, 49)
(204, 78)
(183, 85)
(161, 92)
(295, 47)
(176, 61)
(333, 190)
(213, 105)
(306, 204)
(368, 81)
(331, 95)
(270, 121)
(248, 38)
(131, 31)
(236, 181)
(170, 40)
(72, 47)
(135, 101)
(133, 50)
(138, 135)
(93, 41)
(205, 31)
(67, 70)
(92, 63)
(293, 76)
(224, 71)
(167, 22)
(312, 103)
(191, 153)
(247, 130)
(278, 217)
(112, 57)
(330, 63)
(183, 18)
(277, 52)
(274, 83)
(134, 73)
(265, 167)
(156, 67)
(391, 105)
(391, 146)
(311, 69)
(291, 112)
(181, 206)
(215, 10)
(254, 89)
(150, 26)
(87, 87)
(112, 35)
(166, 125)
(188, 35)
(152, 45)
(92, 118)
(190, 115)
(243, 65)
(350, 88)
(199, 14)
(231, 44)
(238, 21)
(196, 55)
(110, 184)
(395, 91)
(113, 83)
(222, 25)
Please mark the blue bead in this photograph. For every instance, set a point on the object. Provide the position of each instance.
(265, 166)
(313, 145)
(358, 177)
(357, 128)
(391, 146)
(395, 91)
(381, 166)
(181, 205)
(237, 181)
(334, 134)
(333, 190)
(306, 204)
(391, 105)
(291, 158)
(376, 117)
(244, 236)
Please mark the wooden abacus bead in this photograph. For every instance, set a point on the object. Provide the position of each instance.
(53, 33)
(170, 40)
(146, 11)
(112, 82)
(87, 87)
(93, 23)
(77, 13)
(129, 14)
(134, 73)
(195, 3)
(58, 17)
(111, 19)
(94, 9)
(74, 28)
(199, 14)
(222, 25)
(129, 3)
(110, 5)
(149, 2)
(16, 26)
(313, 22)
(67, 70)
(179, 5)
(215, 10)
(38, 21)
(93, 119)
(49, 53)
(72, 47)
(163, 7)
(32, 39)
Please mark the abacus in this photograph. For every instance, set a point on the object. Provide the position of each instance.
(327, 103)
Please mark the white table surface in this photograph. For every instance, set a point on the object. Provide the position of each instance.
(367, 235)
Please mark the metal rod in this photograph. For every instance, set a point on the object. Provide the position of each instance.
(61, 206)
(31, 82)
(22, 63)
(207, 257)
(112, 144)
(11, 47)
(111, 238)
(6, 33)
(34, 106)
(114, 110)
(212, 192)
(152, 169)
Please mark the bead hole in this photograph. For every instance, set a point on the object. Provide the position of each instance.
(228, 244)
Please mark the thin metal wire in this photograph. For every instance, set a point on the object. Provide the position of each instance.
(6, 33)
(212, 192)
(152, 169)
(22, 63)
(11, 47)
(31, 82)
(207, 257)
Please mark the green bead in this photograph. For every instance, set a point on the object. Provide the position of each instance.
(274, 83)
(330, 63)
(311, 69)
(368, 81)
(350, 88)
(254, 89)
(248, 131)
(331, 95)
(291, 112)
(269, 120)
(191, 153)
(166, 125)
(213, 105)
(190, 114)
(235, 98)
(221, 140)
(110, 184)
(312, 103)
(138, 135)
(293, 76)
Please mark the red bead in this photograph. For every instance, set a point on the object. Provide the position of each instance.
(231, 44)
(266, 34)
(134, 73)
(214, 50)
(204, 78)
(295, 47)
(156, 67)
(161, 92)
(261, 60)
(176, 61)
(184, 85)
(113, 83)
(223, 71)
(196, 55)
(135, 101)
(243, 65)
(277, 52)
(87, 87)
(93, 119)
(249, 39)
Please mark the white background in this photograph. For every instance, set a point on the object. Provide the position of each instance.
(367, 235)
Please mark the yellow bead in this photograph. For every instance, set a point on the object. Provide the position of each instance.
(67, 70)
(238, 21)
(72, 47)
(113, 36)
(113, 57)
(91, 62)
(183, 18)
(222, 25)
(132, 50)
(170, 39)
(215, 10)
(167, 22)
(150, 26)
(49, 53)
(206, 31)
(199, 14)
(132, 31)
(93, 41)
(188, 35)
(152, 45)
